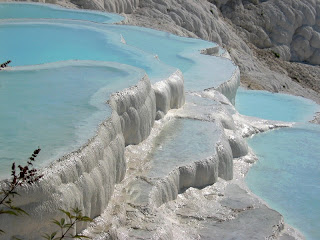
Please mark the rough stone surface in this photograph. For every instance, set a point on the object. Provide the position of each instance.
(286, 26)
(260, 223)
(316, 118)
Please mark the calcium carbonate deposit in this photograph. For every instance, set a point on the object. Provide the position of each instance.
(141, 128)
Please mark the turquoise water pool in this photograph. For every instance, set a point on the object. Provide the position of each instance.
(275, 106)
(40, 36)
(47, 41)
(200, 71)
(56, 114)
(287, 175)
(29, 10)
(180, 143)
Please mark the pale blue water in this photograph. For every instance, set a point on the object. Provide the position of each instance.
(287, 174)
(182, 142)
(274, 106)
(42, 43)
(28, 10)
(80, 35)
(46, 41)
(58, 107)
(200, 71)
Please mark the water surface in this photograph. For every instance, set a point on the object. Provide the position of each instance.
(60, 106)
(275, 106)
(182, 142)
(29, 10)
(58, 101)
(287, 175)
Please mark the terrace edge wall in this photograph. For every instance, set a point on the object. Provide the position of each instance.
(86, 177)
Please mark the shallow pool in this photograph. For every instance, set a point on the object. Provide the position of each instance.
(60, 105)
(30, 42)
(182, 142)
(200, 71)
(29, 10)
(275, 106)
(287, 175)
(58, 102)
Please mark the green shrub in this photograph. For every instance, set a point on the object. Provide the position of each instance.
(28, 175)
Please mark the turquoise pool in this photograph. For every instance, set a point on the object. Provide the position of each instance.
(275, 106)
(48, 41)
(37, 10)
(170, 151)
(46, 45)
(287, 174)
(56, 114)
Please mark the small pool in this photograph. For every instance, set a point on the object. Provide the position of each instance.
(182, 142)
(275, 106)
(287, 174)
(60, 105)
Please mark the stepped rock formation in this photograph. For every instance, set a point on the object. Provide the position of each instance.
(249, 29)
(102, 159)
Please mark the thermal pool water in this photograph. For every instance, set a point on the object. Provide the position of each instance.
(50, 105)
(42, 94)
(29, 10)
(287, 174)
(180, 143)
(64, 70)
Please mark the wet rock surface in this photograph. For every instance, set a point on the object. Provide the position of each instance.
(224, 210)
(197, 213)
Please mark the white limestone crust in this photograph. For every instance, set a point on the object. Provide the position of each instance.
(136, 108)
(201, 172)
(169, 94)
(86, 178)
(229, 88)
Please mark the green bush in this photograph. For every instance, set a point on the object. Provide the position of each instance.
(28, 175)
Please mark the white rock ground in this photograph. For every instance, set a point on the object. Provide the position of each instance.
(232, 206)
(224, 210)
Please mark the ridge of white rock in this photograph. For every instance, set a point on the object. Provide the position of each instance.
(229, 88)
(136, 107)
(169, 94)
(86, 178)
(152, 192)
(184, 203)
(134, 113)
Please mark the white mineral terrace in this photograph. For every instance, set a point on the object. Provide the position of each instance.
(158, 141)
